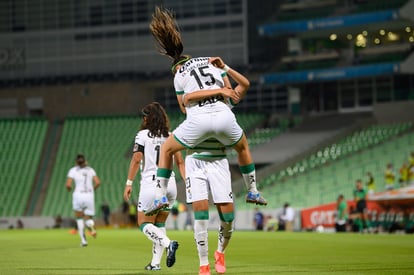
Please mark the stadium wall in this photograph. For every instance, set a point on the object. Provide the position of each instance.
(394, 112)
(243, 220)
(80, 99)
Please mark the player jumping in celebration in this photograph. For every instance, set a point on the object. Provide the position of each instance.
(149, 139)
(208, 118)
(83, 197)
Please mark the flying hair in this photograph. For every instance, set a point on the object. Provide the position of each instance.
(166, 33)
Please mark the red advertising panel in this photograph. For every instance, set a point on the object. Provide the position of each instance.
(325, 214)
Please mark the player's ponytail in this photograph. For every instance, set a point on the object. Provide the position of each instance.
(166, 33)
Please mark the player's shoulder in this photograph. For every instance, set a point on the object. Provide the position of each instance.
(73, 169)
(142, 133)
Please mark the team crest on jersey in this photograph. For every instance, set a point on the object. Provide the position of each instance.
(135, 147)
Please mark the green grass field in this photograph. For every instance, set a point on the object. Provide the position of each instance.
(127, 251)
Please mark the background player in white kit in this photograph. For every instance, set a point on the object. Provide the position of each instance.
(209, 118)
(83, 197)
(148, 142)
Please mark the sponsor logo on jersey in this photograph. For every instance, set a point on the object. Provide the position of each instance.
(210, 100)
(186, 66)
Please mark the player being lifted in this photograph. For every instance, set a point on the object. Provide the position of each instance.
(209, 118)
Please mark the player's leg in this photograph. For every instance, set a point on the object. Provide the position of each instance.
(201, 217)
(226, 214)
(366, 220)
(90, 224)
(222, 194)
(163, 174)
(89, 212)
(157, 235)
(232, 135)
(248, 171)
(160, 220)
(197, 194)
(77, 206)
(81, 227)
(147, 223)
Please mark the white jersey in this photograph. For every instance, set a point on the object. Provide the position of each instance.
(83, 179)
(199, 74)
(152, 149)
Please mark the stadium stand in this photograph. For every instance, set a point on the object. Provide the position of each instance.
(321, 176)
(21, 142)
(106, 143)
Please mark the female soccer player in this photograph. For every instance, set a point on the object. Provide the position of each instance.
(83, 196)
(210, 117)
(148, 141)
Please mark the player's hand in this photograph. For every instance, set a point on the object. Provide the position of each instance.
(217, 62)
(69, 187)
(127, 192)
(230, 93)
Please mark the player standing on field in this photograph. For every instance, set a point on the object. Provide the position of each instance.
(83, 197)
(148, 142)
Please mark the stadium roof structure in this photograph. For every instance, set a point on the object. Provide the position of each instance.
(337, 22)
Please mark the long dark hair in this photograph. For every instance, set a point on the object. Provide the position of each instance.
(166, 33)
(156, 120)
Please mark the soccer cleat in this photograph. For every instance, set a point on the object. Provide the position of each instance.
(220, 265)
(152, 267)
(255, 198)
(93, 232)
(204, 270)
(171, 249)
(159, 204)
(84, 244)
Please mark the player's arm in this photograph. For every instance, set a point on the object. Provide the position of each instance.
(133, 170)
(69, 184)
(179, 161)
(201, 94)
(181, 103)
(97, 182)
(243, 83)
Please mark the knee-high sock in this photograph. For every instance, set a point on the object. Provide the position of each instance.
(157, 248)
(249, 177)
(163, 175)
(155, 235)
(81, 229)
(201, 239)
(224, 236)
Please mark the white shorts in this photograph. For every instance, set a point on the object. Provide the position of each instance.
(147, 192)
(203, 175)
(220, 125)
(84, 202)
